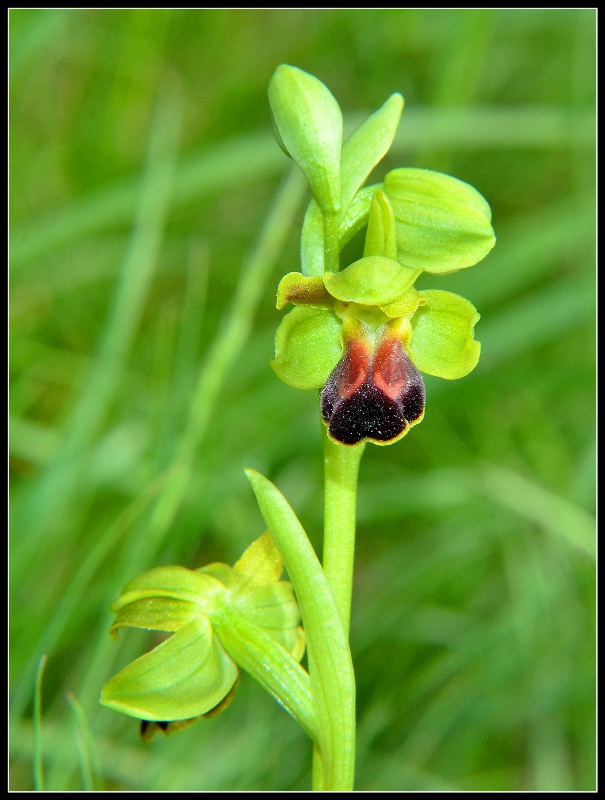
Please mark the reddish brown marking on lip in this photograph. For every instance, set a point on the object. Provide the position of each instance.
(372, 396)
(355, 366)
(389, 370)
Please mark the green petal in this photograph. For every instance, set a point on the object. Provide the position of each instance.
(307, 347)
(442, 335)
(176, 583)
(272, 607)
(366, 146)
(156, 614)
(222, 572)
(309, 122)
(296, 288)
(374, 281)
(183, 677)
(406, 304)
(381, 237)
(164, 599)
(443, 224)
(260, 564)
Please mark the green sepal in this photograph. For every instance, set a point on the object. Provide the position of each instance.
(373, 281)
(222, 572)
(381, 236)
(155, 614)
(258, 594)
(164, 599)
(272, 606)
(184, 677)
(149, 728)
(309, 123)
(308, 346)
(312, 236)
(443, 224)
(172, 581)
(259, 565)
(442, 335)
(273, 609)
(296, 288)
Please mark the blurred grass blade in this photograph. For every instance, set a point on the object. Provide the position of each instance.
(78, 584)
(500, 126)
(90, 767)
(558, 516)
(535, 320)
(217, 167)
(38, 760)
(459, 73)
(192, 316)
(221, 355)
(46, 29)
(54, 490)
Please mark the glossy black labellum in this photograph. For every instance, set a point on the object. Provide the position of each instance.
(372, 394)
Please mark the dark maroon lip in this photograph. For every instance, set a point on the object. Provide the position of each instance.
(372, 395)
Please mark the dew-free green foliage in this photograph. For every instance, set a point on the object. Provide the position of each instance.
(195, 670)
(147, 249)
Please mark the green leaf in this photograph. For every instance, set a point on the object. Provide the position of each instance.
(308, 346)
(442, 335)
(373, 280)
(309, 123)
(381, 236)
(183, 677)
(443, 224)
(366, 146)
(331, 670)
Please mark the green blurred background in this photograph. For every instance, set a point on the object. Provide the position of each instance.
(147, 245)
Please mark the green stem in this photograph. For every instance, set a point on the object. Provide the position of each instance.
(341, 465)
(38, 760)
(331, 260)
(317, 771)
